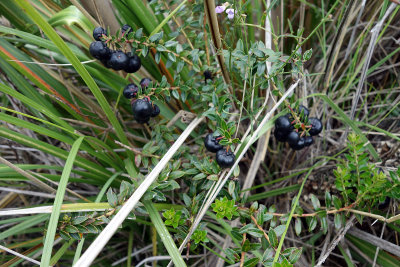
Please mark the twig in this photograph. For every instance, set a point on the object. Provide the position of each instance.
(260, 228)
(334, 243)
(34, 180)
(19, 255)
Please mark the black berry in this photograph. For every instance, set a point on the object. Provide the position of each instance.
(225, 159)
(293, 138)
(308, 140)
(134, 64)
(299, 145)
(142, 110)
(99, 50)
(145, 82)
(316, 126)
(279, 135)
(211, 143)
(156, 111)
(98, 33)
(131, 90)
(118, 60)
(207, 75)
(283, 124)
(126, 28)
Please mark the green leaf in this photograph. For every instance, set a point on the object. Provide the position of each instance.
(273, 238)
(71, 229)
(297, 226)
(315, 202)
(337, 202)
(312, 223)
(328, 200)
(172, 57)
(295, 255)
(176, 174)
(251, 262)
(112, 198)
(338, 221)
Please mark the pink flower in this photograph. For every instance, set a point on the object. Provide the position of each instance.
(231, 13)
(220, 9)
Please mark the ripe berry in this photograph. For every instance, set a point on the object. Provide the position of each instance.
(118, 60)
(131, 90)
(207, 75)
(316, 126)
(308, 140)
(279, 135)
(225, 159)
(145, 82)
(142, 110)
(211, 143)
(126, 28)
(283, 124)
(299, 145)
(293, 138)
(98, 33)
(305, 110)
(156, 111)
(133, 65)
(99, 50)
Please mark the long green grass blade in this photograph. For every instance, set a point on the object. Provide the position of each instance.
(51, 229)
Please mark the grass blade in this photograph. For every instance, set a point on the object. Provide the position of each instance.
(51, 229)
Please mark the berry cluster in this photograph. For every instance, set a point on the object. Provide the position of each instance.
(143, 108)
(225, 158)
(114, 59)
(294, 131)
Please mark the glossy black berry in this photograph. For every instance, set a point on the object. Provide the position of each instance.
(145, 82)
(225, 159)
(316, 126)
(304, 109)
(142, 110)
(98, 33)
(156, 111)
(131, 90)
(211, 143)
(293, 138)
(308, 140)
(280, 136)
(299, 145)
(207, 75)
(118, 60)
(126, 28)
(283, 124)
(134, 64)
(99, 50)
